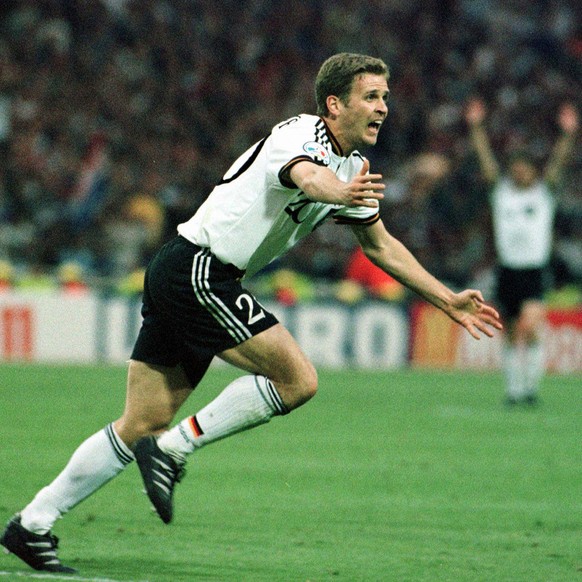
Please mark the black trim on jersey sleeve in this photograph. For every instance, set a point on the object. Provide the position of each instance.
(363, 221)
(284, 176)
(247, 164)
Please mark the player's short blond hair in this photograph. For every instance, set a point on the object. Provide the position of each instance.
(336, 76)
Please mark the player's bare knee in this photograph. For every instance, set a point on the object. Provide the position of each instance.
(299, 388)
(306, 386)
(311, 383)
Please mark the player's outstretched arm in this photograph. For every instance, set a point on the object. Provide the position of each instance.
(569, 123)
(320, 184)
(467, 308)
(475, 117)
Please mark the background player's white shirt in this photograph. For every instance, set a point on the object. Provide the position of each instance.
(254, 215)
(523, 223)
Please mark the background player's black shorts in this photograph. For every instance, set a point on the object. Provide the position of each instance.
(194, 307)
(514, 286)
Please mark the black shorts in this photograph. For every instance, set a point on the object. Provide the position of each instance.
(515, 286)
(194, 307)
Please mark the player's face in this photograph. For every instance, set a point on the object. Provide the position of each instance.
(359, 120)
(523, 173)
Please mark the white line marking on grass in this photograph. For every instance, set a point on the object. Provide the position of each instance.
(63, 577)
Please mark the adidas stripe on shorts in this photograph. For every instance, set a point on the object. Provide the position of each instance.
(194, 307)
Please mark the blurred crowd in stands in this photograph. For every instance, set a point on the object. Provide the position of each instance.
(118, 116)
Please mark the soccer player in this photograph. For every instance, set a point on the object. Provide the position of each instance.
(523, 206)
(305, 171)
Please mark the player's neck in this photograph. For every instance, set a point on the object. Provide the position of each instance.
(339, 145)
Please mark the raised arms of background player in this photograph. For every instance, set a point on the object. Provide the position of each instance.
(567, 120)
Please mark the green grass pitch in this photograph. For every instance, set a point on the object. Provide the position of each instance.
(404, 476)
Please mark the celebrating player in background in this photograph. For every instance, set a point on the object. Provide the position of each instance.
(523, 207)
(194, 306)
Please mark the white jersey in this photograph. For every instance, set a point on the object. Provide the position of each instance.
(255, 214)
(522, 224)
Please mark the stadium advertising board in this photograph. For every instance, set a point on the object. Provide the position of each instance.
(53, 326)
(436, 342)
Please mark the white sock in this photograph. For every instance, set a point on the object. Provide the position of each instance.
(534, 367)
(513, 363)
(245, 403)
(95, 462)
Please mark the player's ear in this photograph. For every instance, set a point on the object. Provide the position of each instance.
(333, 105)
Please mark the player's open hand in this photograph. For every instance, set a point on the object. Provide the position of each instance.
(568, 118)
(475, 112)
(470, 310)
(364, 189)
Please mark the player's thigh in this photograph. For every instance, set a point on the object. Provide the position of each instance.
(275, 353)
(154, 395)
